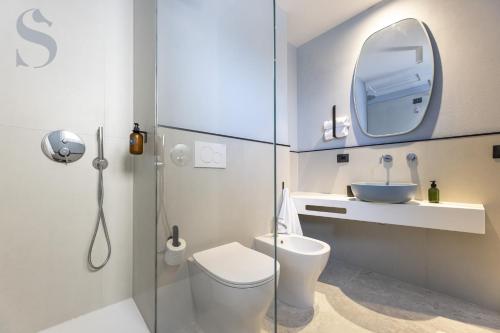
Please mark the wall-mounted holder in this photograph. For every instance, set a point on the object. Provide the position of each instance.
(336, 128)
(63, 146)
(142, 132)
(181, 154)
(334, 119)
(137, 140)
(340, 127)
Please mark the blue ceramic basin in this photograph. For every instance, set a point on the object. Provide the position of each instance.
(381, 192)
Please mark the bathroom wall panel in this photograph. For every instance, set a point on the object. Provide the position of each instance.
(467, 74)
(48, 210)
(462, 265)
(292, 96)
(293, 170)
(69, 92)
(215, 68)
(215, 206)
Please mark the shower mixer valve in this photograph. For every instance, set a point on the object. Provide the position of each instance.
(63, 146)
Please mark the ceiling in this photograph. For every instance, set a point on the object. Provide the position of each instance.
(308, 19)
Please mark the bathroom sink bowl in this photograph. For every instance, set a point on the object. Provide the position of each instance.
(381, 192)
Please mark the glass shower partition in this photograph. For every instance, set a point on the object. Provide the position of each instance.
(216, 163)
(145, 175)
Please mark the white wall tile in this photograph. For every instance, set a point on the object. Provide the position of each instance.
(48, 210)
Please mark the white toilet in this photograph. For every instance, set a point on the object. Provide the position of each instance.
(302, 260)
(232, 286)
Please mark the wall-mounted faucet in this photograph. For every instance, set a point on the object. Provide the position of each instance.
(411, 157)
(386, 159)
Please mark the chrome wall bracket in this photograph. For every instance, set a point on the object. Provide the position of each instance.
(100, 163)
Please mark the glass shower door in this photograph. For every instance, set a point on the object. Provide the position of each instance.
(216, 165)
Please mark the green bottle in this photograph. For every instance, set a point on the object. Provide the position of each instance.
(433, 192)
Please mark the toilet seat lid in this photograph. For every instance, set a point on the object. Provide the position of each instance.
(236, 265)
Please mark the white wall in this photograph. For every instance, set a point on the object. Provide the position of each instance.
(215, 68)
(48, 210)
(292, 96)
(467, 71)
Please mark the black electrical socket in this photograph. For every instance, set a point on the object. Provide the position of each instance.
(496, 151)
(342, 158)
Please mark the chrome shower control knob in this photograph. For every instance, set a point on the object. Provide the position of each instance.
(64, 151)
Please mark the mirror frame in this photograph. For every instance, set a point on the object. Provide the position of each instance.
(431, 88)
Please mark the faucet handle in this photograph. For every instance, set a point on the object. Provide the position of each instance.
(411, 157)
(386, 158)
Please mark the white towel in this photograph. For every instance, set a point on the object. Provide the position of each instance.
(288, 216)
(327, 125)
(328, 135)
(342, 132)
(342, 121)
(339, 123)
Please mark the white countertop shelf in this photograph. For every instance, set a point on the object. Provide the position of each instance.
(461, 217)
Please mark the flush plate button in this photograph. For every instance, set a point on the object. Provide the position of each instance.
(210, 155)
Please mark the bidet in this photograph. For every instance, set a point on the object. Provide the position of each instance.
(301, 259)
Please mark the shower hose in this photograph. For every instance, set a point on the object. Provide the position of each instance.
(100, 220)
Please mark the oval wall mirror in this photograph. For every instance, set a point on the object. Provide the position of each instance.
(393, 79)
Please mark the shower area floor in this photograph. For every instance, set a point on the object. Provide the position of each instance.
(348, 300)
(122, 317)
(355, 300)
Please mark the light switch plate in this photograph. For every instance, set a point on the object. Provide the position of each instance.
(209, 155)
(496, 151)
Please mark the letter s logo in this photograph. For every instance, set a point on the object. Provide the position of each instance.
(36, 37)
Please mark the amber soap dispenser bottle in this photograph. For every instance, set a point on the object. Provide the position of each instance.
(136, 141)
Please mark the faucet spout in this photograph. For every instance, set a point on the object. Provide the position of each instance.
(386, 159)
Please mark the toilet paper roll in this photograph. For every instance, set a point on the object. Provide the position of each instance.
(175, 255)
